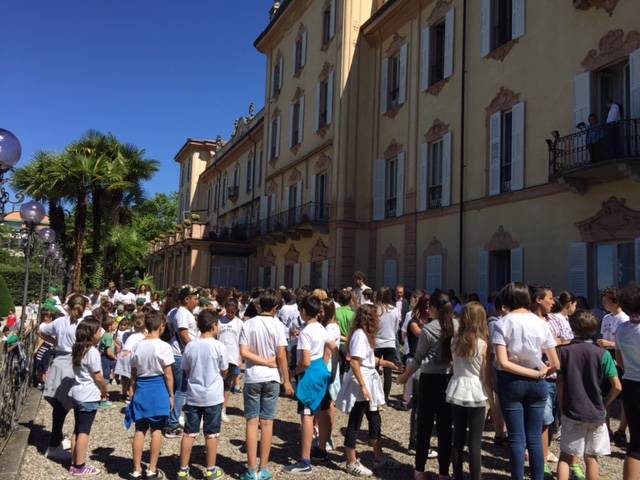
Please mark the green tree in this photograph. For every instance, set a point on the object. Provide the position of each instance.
(155, 216)
(6, 301)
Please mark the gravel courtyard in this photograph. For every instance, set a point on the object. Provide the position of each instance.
(110, 447)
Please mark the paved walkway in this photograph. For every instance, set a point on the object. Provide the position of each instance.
(110, 448)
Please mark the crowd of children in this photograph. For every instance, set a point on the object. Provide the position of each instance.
(535, 360)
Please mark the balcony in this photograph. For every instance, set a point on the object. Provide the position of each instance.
(233, 192)
(294, 223)
(235, 234)
(598, 154)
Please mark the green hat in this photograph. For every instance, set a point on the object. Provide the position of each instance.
(140, 301)
(12, 340)
(49, 307)
(204, 301)
(53, 290)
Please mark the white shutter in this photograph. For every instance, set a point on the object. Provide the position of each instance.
(449, 36)
(278, 124)
(447, 155)
(318, 100)
(303, 62)
(378, 189)
(272, 203)
(517, 146)
(402, 95)
(517, 265)
(581, 98)
(285, 200)
(423, 177)
(296, 275)
(434, 273)
(485, 28)
(270, 134)
(483, 276)
(384, 84)
(274, 272)
(261, 277)
(637, 253)
(390, 273)
(301, 121)
(424, 58)
(578, 269)
(281, 76)
(332, 21)
(518, 18)
(634, 83)
(325, 275)
(400, 184)
(330, 81)
(293, 58)
(291, 108)
(312, 189)
(299, 194)
(495, 155)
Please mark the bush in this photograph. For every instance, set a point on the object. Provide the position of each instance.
(14, 278)
(6, 301)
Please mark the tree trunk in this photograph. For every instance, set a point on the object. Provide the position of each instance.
(96, 250)
(56, 220)
(116, 205)
(80, 230)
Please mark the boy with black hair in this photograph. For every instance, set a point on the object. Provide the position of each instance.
(585, 367)
(204, 363)
(263, 348)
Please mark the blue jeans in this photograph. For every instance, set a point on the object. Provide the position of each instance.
(180, 392)
(523, 401)
(550, 405)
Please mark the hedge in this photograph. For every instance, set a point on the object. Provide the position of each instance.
(14, 278)
(6, 301)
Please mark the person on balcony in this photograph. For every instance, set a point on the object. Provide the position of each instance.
(594, 137)
(612, 141)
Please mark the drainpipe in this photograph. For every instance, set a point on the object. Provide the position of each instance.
(462, 143)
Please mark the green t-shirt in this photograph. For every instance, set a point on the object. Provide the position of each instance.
(106, 342)
(345, 317)
(609, 369)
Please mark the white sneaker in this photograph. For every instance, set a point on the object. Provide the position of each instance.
(181, 421)
(431, 453)
(225, 418)
(358, 470)
(66, 443)
(57, 453)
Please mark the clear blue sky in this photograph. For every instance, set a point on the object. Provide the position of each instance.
(152, 72)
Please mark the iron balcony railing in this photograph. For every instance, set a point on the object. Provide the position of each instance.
(235, 233)
(592, 146)
(309, 213)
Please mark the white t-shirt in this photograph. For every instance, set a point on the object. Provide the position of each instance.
(389, 324)
(63, 331)
(628, 345)
(205, 359)
(128, 298)
(173, 332)
(405, 328)
(525, 337)
(151, 357)
(613, 115)
(313, 338)
(610, 324)
(358, 291)
(359, 347)
(229, 335)
(289, 315)
(333, 330)
(185, 319)
(262, 335)
(132, 341)
(85, 389)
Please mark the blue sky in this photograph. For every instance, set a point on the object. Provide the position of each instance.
(152, 72)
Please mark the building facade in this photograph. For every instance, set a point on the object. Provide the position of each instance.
(442, 144)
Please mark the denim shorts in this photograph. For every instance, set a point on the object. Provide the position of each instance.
(550, 406)
(153, 423)
(84, 414)
(86, 406)
(211, 418)
(261, 400)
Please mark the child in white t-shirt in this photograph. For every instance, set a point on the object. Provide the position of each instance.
(229, 334)
(129, 341)
(88, 389)
(153, 398)
(205, 363)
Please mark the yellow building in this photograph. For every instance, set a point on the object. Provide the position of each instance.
(439, 144)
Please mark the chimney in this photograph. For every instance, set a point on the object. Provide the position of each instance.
(274, 10)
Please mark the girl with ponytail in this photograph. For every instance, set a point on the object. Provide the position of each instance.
(433, 358)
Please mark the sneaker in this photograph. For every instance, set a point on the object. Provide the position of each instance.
(135, 475)
(66, 443)
(158, 475)
(105, 405)
(299, 468)
(265, 474)
(551, 458)
(86, 471)
(249, 475)
(183, 472)
(548, 474)
(577, 473)
(213, 472)
(225, 418)
(431, 453)
(386, 462)
(329, 447)
(173, 432)
(620, 438)
(358, 470)
(58, 453)
(319, 454)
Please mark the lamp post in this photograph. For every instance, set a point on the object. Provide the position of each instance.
(10, 151)
(48, 236)
(31, 213)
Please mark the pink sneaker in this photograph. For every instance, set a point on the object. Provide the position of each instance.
(86, 471)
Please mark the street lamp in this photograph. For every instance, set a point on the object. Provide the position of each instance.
(48, 236)
(10, 151)
(32, 214)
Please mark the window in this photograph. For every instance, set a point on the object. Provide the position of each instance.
(501, 22)
(499, 269)
(292, 203)
(391, 189)
(316, 274)
(260, 167)
(266, 277)
(323, 104)
(435, 175)
(437, 53)
(236, 176)
(224, 191)
(295, 125)
(216, 195)
(249, 185)
(274, 150)
(321, 189)
(289, 275)
(615, 264)
(393, 75)
(276, 81)
(326, 25)
(505, 160)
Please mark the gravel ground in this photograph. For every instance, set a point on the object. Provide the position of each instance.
(110, 447)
